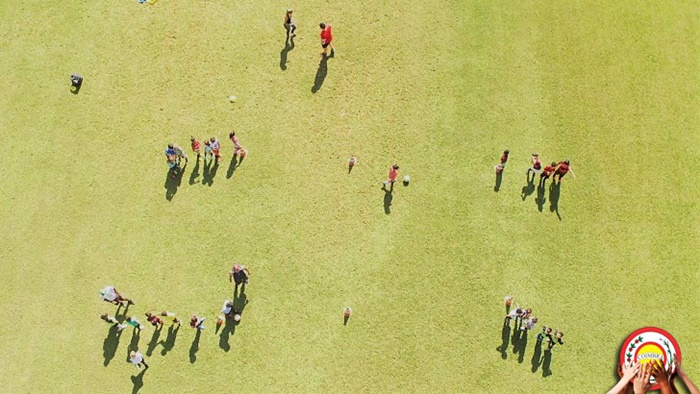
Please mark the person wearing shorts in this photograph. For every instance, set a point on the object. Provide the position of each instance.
(197, 322)
(289, 24)
(562, 169)
(227, 309)
(237, 147)
(393, 176)
(154, 320)
(215, 146)
(536, 167)
(137, 359)
(326, 38)
(208, 153)
(547, 172)
(133, 323)
(196, 145)
(180, 153)
(239, 274)
(110, 294)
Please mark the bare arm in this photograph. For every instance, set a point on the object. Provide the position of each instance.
(692, 388)
(625, 377)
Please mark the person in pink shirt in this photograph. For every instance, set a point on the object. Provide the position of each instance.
(237, 147)
(215, 146)
(393, 176)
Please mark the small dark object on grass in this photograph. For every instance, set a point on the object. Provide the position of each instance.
(76, 81)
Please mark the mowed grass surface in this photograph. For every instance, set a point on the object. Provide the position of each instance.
(441, 87)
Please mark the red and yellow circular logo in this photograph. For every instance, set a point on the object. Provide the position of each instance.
(650, 344)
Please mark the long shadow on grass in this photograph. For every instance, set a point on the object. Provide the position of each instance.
(288, 46)
(231, 167)
(154, 341)
(172, 182)
(547, 364)
(209, 172)
(169, 342)
(110, 344)
(195, 346)
(321, 73)
(195, 172)
(137, 381)
(134, 345)
(499, 179)
(521, 345)
(529, 188)
(537, 356)
(554, 190)
(540, 200)
(388, 198)
(505, 338)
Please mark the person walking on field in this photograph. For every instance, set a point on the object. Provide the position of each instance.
(239, 274)
(502, 165)
(536, 167)
(110, 294)
(393, 176)
(137, 359)
(562, 169)
(154, 320)
(237, 147)
(197, 322)
(196, 146)
(326, 39)
(289, 24)
(547, 172)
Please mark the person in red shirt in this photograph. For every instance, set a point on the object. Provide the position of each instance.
(393, 176)
(326, 38)
(154, 320)
(546, 172)
(562, 169)
(536, 167)
(196, 146)
(502, 165)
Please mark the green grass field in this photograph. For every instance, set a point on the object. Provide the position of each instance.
(440, 87)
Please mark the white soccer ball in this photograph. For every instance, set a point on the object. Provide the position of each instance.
(407, 178)
(237, 317)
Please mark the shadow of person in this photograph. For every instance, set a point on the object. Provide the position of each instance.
(516, 338)
(110, 344)
(137, 380)
(522, 344)
(169, 342)
(172, 182)
(537, 356)
(195, 172)
(528, 189)
(195, 347)
(154, 340)
(388, 198)
(223, 336)
(540, 200)
(288, 46)
(554, 190)
(321, 74)
(499, 179)
(505, 339)
(547, 364)
(212, 172)
(231, 167)
(134, 344)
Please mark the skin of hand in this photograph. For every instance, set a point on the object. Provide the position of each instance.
(626, 374)
(692, 388)
(642, 381)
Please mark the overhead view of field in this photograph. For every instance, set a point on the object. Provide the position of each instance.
(441, 88)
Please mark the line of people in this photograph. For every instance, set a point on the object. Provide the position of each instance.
(555, 169)
(524, 321)
(239, 275)
(174, 153)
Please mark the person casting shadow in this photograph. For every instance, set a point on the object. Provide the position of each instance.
(505, 338)
(137, 381)
(288, 46)
(195, 347)
(321, 73)
(554, 190)
(499, 179)
(547, 364)
(537, 356)
(169, 342)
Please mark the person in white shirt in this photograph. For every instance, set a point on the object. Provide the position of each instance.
(111, 295)
(137, 359)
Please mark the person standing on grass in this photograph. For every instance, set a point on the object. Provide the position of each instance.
(137, 359)
(502, 165)
(529, 324)
(546, 333)
(154, 320)
(208, 153)
(227, 309)
(133, 323)
(547, 172)
(110, 294)
(326, 39)
(536, 167)
(558, 335)
(170, 314)
(196, 146)
(289, 24)
(239, 274)
(109, 319)
(215, 146)
(393, 176)
(237, 147)
(180, 153)
(197, 322)
(562, 169)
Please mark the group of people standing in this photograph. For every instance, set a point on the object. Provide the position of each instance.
(555, 169)
(238, 275)
(174, 154)
(326, 32)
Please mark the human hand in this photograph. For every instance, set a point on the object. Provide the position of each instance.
(677, 364)
(627, 373)
(661, 375)
(642, 380)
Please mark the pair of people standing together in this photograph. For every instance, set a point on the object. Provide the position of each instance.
(326, 32)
